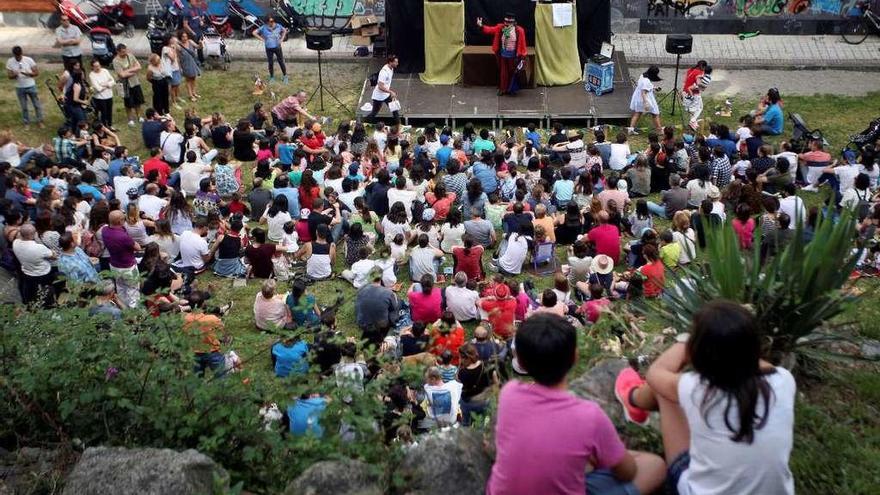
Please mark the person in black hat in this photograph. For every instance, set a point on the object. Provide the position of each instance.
(509, 46)
(643, 99)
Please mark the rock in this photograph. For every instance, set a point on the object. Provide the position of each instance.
(444, 462)
(597, 385)
(31, 470)
(103, 470)
(346, 477)
(870, 349)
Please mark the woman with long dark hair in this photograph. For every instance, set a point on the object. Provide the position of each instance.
(475, 197)
(733, 413)
(76, 99)
(276, 216)
(179, 213)
(468, 259)
(308, 189)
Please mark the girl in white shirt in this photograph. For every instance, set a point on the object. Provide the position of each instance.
(102, 82)
(275, 217)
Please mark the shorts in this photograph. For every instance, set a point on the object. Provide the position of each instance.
(135, 97)
(602, 481)
(176, 77)
(675, 470)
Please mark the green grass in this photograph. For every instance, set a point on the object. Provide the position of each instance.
(837, 446)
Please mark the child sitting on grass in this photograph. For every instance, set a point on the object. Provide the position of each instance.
(447, 369)
(593, 308)
(670, 250)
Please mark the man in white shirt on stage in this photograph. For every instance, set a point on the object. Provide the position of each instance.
(382, 92)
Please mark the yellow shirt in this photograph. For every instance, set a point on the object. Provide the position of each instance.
(670, 253)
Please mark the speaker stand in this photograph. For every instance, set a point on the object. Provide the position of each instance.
(320, 89)
(674, 92)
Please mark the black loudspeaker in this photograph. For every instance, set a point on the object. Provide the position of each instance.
(679, 44)
(319, 40)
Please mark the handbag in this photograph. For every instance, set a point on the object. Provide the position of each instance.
(394, 105)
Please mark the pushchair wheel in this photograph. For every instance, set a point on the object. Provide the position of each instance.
(128, 32)
(227, 60)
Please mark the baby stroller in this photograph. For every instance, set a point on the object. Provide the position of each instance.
(215, 49)
(867, 137)
(103, 48)
(157, 37)
(248, 21)
(801, 136)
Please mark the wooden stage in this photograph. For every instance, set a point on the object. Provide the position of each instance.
(457, 104)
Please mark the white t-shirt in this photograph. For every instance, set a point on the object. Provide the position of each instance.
(121, 185)
(578, 152)
(33, 257)
(70, 33)
(791, 157)
(192, 248)
(873, 174)
(151, 205)
(462, 302)
(168, 245)
(451, 236)
(515, 254)
(361, 270)
(9, 154)
(421, 262)
(381, 138)
(718, 209)
(170, 142)
(391, 229)
(190, 176)
(743, 133)
(619, 153)
(719, 465)
(276, 225)
(347, 198)
(403, 196)
(102, 83)
(846, 174)
(688, 242)
(26, 64)
(385, 76)
(443, 401)
(794, 207)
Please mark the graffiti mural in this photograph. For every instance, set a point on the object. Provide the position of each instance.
(336, 13)
(744, 8)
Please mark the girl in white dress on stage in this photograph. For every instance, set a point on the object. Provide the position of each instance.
(643, 99)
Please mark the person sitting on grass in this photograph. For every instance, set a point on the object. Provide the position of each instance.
(442, 399)
(727, 424)
(270, 311)
(598, 303)
(546, 437)
(290, 355)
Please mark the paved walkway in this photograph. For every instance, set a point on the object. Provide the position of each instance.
(727, 51)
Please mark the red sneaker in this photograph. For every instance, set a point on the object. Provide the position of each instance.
(627, 380)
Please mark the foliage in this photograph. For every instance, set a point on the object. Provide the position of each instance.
(791, 294)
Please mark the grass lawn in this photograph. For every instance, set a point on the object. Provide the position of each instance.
(837, 443)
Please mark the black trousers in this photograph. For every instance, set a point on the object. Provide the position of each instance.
(160, 95)
(377, 105)
(68, 61)
(279, 55)
(38, 289)
(104, 108)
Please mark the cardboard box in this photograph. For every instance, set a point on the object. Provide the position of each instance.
(361, 41)
(371, 30)
(363, 20)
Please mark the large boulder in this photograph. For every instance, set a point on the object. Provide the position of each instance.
(444, 462)
(597, 385)
(345, 477)
(103, 470)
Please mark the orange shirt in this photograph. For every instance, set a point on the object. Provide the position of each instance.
(206, 325)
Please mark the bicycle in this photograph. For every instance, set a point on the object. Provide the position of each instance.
(860, 20)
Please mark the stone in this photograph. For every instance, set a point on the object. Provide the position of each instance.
(448, 461)
(103, 470)
(870, 349)
(597, 385)
(343, 477)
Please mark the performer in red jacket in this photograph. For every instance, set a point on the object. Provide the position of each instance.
(509, 45)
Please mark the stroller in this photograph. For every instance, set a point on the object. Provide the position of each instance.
(802, 135)
(287, 17)
(157, 37)
(215, 52)
(170, 18)
(248, 21)
(867, 137)
(103, 47)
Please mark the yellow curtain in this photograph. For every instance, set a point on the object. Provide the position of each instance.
(444, 42)
(556, 52)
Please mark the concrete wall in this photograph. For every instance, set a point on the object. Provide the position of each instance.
(728, 16)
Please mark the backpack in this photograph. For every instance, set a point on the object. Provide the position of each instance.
(91, 244)
(374, 78)
(863, 207)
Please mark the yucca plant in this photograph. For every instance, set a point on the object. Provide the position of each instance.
(791, 294)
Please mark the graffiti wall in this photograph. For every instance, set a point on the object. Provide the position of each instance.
(732, 16)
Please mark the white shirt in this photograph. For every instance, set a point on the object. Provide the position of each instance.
(688, 243)
(403, 196)
(102, 84)
(26, 64)
(451, 236)
(515, 254)
(391, 229)
(578, 152)
(385, 76)
(151, 205)
(9, 154)
(846, 174)
(190, 176)
(71, 33)
(33, 257)
(121, 185)
(168, 245)
(170, 142)
(443, 401)
(794, 207)
(347, 198)
(192, 248)
(619, 153)
(381, 138)
(873, 174)
(361, 270)
(462, 302)
(721, 466)
(852, 196)
(791, 157)
(276, 225)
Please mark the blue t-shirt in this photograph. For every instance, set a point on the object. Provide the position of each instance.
(114, 168)
(36, 185)
(773, 119)
(292, 199)
(303, 311)
(486, 175)
(151, 132)
(563, 189)
(534, 137)
(728, 145)
(272, 37)
(285, 153)
(481, 145)
(290, 359)
(442, 156)
(304, 415)
(90, 189)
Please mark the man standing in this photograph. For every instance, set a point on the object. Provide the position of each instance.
(24, 70)
(291, 108)
(193, 23)
(36, 270)
(68, 37)
(383, 93)
(509, 45)
(127, 68)
(272, 34)
(123, 264)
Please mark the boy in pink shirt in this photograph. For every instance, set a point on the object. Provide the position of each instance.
(550, 442)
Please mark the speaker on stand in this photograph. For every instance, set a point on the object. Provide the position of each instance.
(678, 45)
(320, 40)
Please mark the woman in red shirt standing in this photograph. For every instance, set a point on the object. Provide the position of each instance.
(468, 259)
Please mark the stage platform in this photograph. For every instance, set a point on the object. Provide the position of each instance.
(456, 104)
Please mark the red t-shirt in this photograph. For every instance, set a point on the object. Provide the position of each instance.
(593, 308)
(425, 308)
(451, 342)
(655, 278)
(606, 237)
(236, 207)
(302, 231)
(441, 206)
(501, 314)
(690, 79)
(160, 166)
(469, 263)
(307, 196)
(744, 232)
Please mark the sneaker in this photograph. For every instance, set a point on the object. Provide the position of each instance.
(141, 120)
(626, 382)
(632, 131)
(131, 123)
(285, 80)
(271, 79)
(810, 188)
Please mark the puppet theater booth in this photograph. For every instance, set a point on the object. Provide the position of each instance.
(448, 72)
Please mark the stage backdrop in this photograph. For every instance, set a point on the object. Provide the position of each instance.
(406, 26)
(444, 42)
(556, 50)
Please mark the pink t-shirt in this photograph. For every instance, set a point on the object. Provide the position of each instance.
(593, 308)
(607, 240)
(744, 232)
(425, 308)
(545, 438)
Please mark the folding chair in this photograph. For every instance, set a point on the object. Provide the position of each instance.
(544, 256)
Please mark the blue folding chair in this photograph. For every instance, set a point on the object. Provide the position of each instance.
(544, 258)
